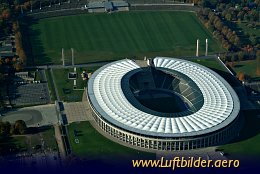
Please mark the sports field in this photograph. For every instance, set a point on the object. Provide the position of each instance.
(96, 37)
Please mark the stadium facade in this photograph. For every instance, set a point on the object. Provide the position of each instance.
(172, 104)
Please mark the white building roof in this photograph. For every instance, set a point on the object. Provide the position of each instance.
(221, 104)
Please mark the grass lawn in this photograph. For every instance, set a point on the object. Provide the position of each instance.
(48, 135)
(13, 145)
(244, 31)
(97, 37)
(65, 85)
(95, 146)
(210, 63)
(51, 85)
(248, 67)
(23, 143)
(248, 142)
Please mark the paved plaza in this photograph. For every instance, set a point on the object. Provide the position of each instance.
(29, 94)
(77, 111)
(34, 116)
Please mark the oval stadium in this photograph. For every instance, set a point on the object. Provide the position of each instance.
(165, 104)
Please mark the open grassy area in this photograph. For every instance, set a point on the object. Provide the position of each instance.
(50, 85)
(95, 146)
(99, 37)
(65, 85)
(244, 31)
(25, 143)
(248, 143)
(210, 63)
(248, 67)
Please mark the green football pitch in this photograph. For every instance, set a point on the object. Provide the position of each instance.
(101, 37)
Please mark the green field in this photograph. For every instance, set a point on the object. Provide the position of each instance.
(95, 146)
(65, 85)
(25, 143)
(248, 142)
(96, 37)
(248, 67)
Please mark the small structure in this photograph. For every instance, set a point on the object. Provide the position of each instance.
(107, 6)
(25, 76)
(84, 75)
(7, 55)
(96, 7)
(72, 75)
(89, 75)
(8, 42)
(120, 6)
(6, 50)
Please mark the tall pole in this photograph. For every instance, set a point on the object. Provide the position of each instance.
(21, 9)
(72, 56)
(31, 5)
(206, 52)
(197, 50)
(62, 57)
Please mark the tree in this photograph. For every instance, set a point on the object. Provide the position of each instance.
(20, 127)
(18, 66)
(241, 76)
(6, 14)
(237, 41)
(206, 11)
(240, 15)
(228, 16)
(219, 25)
(258, 62)
(253, 39)
(241, 55)
(5, 128)
(225, 30)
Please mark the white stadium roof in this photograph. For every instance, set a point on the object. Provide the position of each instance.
(221, 104)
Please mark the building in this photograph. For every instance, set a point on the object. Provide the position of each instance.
(7, 50)
(121, 94)
(107, 6)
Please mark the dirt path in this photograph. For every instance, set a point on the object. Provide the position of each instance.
(60, 142)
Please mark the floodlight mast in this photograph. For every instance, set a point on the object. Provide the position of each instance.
(72, 57)
(197, 50)
(62, 57)
(206, 52)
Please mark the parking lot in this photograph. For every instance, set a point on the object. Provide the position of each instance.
(29, 94)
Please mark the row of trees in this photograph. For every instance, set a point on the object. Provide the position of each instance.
(5, 14)
(225, 35)
(240, 4)
(19, 44)
(238, 13)
(18, 128)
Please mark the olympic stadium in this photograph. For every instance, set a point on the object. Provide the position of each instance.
(167, 104)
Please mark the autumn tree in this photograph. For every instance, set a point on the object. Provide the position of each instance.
(258, 62)
(241, 76)
(20, 127)
(5, 128)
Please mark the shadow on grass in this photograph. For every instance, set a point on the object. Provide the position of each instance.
(32, 42)
(250, 127)
(10, 145)
(239, 66)
(36, 130)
